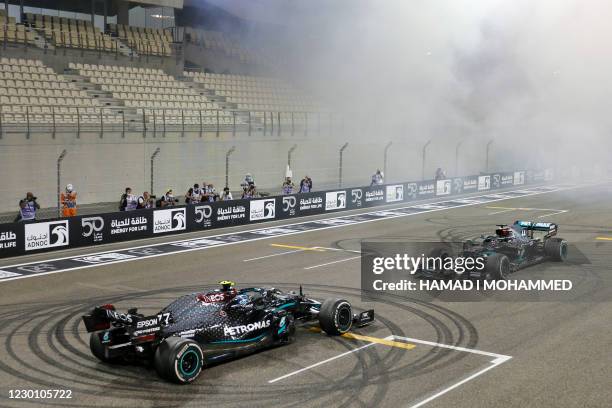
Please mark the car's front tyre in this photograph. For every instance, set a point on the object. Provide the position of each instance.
(336, 316)
(179, 360)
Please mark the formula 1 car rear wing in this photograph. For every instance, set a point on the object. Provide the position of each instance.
(136, 325)
(547, 227)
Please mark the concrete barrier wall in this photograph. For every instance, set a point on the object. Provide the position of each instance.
(100, 168)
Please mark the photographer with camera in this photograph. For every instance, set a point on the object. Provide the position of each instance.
(128, 201)
(194, 194)
(248, 181)
(378, 178)
(288, 186)
(211, 193)
(146, 201)
(27, 208)
(306, 185)
(168, 199)
(226, 195)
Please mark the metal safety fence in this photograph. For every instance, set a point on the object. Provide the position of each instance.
(154, 122)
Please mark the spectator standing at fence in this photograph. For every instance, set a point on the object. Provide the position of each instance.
(250, 192)
(211, 193)
(168, 199)
(194, 194)
(246, 193)
(68, 200)
(378, 178)
(146, 201)
(128, 201)
(248, 181)
(440, 174)
(27, 208)
(226, 195)
(288, 186)
(306, 185)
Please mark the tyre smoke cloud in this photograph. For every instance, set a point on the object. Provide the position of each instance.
(532, 76)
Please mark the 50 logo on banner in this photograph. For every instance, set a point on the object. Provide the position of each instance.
(203, 214)
(46, 235)
(289, 203)
(93, 226)
(169, 220)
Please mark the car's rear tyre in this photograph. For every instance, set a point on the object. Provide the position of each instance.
(442, 254)
(179, 360)
(336, 316)
(556, 249)
(497, 267)
(98, 349)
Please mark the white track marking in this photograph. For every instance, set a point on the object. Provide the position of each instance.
(333, 262)
(558, 188)
(273, 255)
(456, 385)
(301, 370)
(502, 211)
(338, 249)
(450, 347)
(553, 213)
(498, 359)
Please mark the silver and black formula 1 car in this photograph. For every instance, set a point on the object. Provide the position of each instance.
(513, 247)
(200, 329)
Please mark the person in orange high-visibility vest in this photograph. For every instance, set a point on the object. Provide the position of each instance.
(68, 201)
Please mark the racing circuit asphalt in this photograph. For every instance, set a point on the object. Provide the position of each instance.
(560, 350)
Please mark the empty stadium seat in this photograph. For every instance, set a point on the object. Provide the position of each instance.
(158, 95)
(72, 33)
(146, 41)
(255, 93)
(31, 92)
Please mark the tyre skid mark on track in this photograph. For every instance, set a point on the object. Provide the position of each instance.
(58, 326)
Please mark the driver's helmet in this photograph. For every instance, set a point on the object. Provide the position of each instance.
(227, 286)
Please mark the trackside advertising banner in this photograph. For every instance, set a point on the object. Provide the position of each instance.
(87, 230)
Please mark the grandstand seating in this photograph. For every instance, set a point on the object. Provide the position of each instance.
(254, 93)
(74, 33)
(12, 32)
(33, 93)
(155, 93)
(215, 40)
(145, 41)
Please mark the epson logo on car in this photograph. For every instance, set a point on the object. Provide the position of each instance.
(237, 330)
(146, 323)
